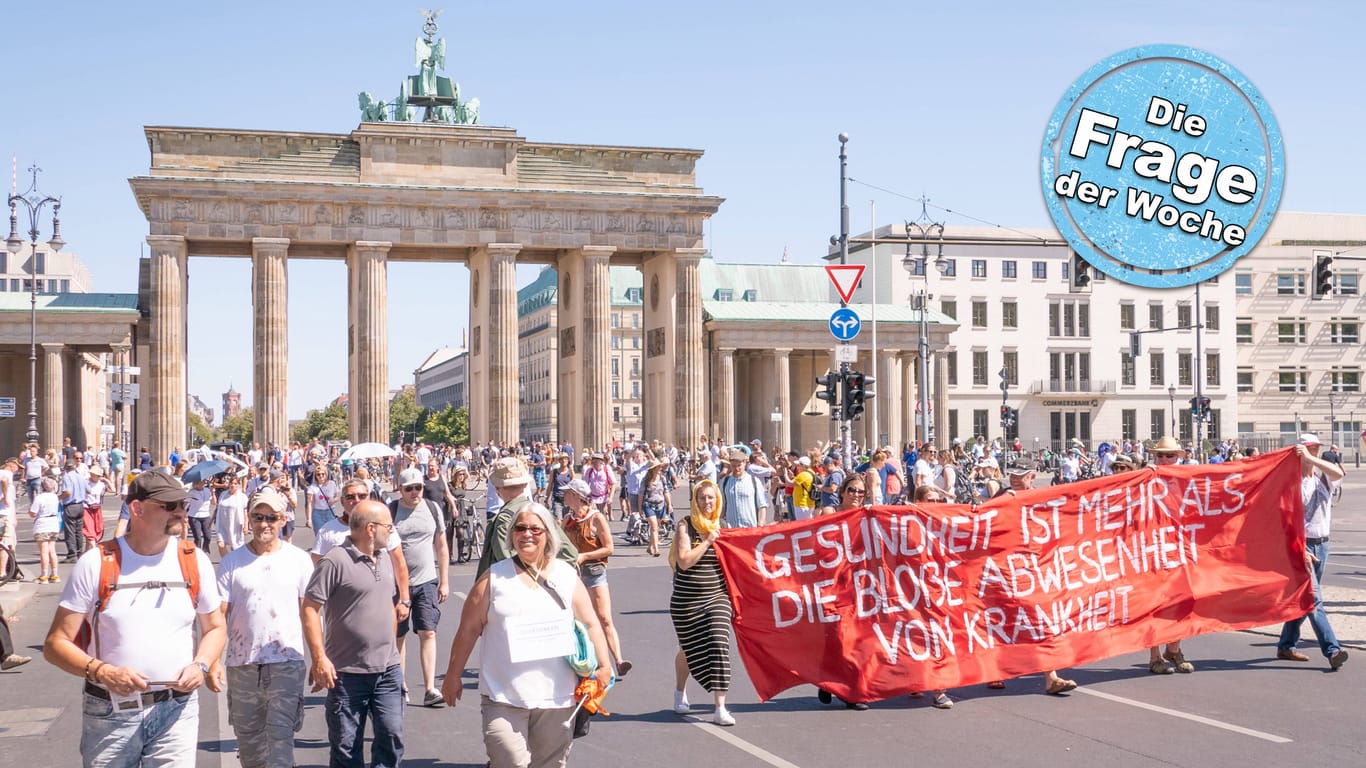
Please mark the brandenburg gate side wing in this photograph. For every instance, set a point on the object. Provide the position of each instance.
(475, 194)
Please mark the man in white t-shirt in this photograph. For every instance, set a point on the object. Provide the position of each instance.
(142, 666)
(334, 533)
(7, 501)
(262, 585)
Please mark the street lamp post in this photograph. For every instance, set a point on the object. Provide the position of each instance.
(924, 230)
(34, 201)
(1171, 397)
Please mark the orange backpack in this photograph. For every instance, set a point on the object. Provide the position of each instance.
(111, 563)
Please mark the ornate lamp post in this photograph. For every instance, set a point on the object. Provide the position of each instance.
(34, 201)
(923, 231)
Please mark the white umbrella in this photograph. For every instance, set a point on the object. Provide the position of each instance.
(362, 451)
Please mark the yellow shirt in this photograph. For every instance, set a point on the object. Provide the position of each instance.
(801, 489)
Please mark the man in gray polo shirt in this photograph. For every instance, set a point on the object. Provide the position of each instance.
(421, 530)
(355, 656)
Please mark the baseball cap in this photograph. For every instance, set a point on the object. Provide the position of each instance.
(735, 454)
(989, 462)
(804, 461)
(508, 472)
(409, 476)
(1309, 438)
(580, 488)
(1019, 471)
(157, 486)
(269, 497)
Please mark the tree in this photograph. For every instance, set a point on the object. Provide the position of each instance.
(330, 423)
(238, 427)
(450, 425)
(405, 416)
(200, 431)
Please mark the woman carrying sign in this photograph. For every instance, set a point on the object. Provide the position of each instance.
(524, 607)
(699, 607)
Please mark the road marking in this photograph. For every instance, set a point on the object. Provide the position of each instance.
(1271, 737)
(725, 734)
(1349, 576)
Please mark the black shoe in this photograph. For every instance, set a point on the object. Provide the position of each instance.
(824, 696)
(857, 706)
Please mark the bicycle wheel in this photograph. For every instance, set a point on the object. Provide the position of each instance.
(11, 566)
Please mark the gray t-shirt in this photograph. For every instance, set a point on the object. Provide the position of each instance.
(416, 528)
(357, 592)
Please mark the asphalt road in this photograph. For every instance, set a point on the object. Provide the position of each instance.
(1240, 707)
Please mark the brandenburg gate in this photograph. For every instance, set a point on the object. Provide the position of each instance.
(398, 191)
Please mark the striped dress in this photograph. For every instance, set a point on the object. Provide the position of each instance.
(701, 614)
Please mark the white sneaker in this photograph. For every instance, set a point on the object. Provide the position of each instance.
(681, 705)
(723, 716)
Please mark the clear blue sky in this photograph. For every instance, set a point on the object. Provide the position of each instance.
(946, 101)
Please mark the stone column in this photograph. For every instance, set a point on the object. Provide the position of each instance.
(889, 391)
(596, 367)
(164, 375)
(906, 363)
(782, 382)
(690, 412)
(270, 340)
(367, 342)
(500, 338)
(941, 400)
(53, 427)
(121, 411)
(723, 400)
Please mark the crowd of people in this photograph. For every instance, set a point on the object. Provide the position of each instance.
(269, 619)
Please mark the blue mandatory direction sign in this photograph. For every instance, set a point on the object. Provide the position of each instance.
(844, 324)
(1162, 165)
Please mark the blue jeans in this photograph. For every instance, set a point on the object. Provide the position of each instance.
(163, 734)
(320, 517)
(1318, 619)
(355, 697)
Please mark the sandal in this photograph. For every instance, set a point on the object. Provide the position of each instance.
(1179, 659)
(997, 685)
(1060, 687)
(1159, 667)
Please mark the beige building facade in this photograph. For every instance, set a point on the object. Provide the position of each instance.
(474, 195)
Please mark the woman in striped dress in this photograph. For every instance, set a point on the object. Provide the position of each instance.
(700, 607)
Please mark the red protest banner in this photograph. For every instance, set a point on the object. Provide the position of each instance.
(880, 602)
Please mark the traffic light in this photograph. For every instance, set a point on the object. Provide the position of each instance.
(1009, 416)
(1204, 408)
(1195, 407)
(830, 392)
(1323, 276)
(1081, 273)
(857, 389)
(1135, 344)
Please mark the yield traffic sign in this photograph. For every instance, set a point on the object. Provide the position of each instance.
(845, 277)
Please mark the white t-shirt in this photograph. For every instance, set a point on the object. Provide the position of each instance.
(94, 492)
(47, 513)
(334, 532)
(263, 593)
(200, 502)
(148, 630)
(7, 493)
(229, 523)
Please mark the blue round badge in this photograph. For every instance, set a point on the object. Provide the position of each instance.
(1162, 166)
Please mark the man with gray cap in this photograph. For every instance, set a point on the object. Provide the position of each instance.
(745, 503)
(1317, 478)
(510, 478)
(262, 585)
(421, 530)
(140, 665)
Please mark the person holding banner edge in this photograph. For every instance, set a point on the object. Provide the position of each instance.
(1166, 452)
(699, 606)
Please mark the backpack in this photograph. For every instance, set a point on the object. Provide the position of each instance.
(962, 485)
(111, 564)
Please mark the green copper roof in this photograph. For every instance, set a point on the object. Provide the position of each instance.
(71, 302)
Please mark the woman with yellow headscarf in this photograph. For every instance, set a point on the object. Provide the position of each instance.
(700, 607)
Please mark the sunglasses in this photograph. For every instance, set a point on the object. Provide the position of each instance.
(356, 496)
(534, 530)
(272, 519)
(170, 506)
(855, 492)
(412, 488)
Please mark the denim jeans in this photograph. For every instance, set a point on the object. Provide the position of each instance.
(162, 734)
(1318, 619)
(355, 697)
(266, 708)
(320, 517)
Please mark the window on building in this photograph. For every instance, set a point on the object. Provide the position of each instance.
(1069, 318)
(635, 366)
(635, 342)
(1242, 330)
(1292, 330)
(950, 367)
(1245, 379)
(1155, 316)
(635, 390)
(953, 421)
(1156, 369)
(1183, 315)
(1040, 270)
(1069, 371)
(635, 320)
(616, 390)
(1212, 369)
(1010, 314)
(724, 294)
(1242, 283)
(1345, 331)
(1127, 375)
(1290, 379)
(1183, 369)
(950, 267)
(1084, 320)
(1211, 317)
(1010, 360)
(1128, 424)
(980, 424)
(616, 414)
(40, 263)
(634, 295)
(1186, 431)
(979, 314)
(1289, 283)
(616, 341)
(750, 294)
(1126, 317)
(1157, 423)
(52, 286)
(979, 367)
(635, 410)
(616, 366)
(1008, 269)
(1347, 283)
(616, 319)
(1345, 379)
(949, 307)
(1066, 270)
(979, 267)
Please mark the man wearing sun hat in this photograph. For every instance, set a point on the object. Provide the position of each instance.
(510, 478)
(1317, 478)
